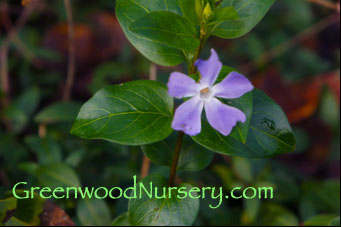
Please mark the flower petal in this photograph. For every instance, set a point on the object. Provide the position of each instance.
(223, 117)
(187, 117)
(233, 86)
(209, 69)
(181, 85)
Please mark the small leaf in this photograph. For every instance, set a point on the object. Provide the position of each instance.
(13, 221)
(335, 222)
(28, 210)
(320, 220)
(20, 111)
(250, 14)
(58, 112)
(122, 220)
(162, 212)
(93, 212)
(134, 113)
(276, 215)
(57, 175)
(7, 205)
(193, 157)
(46, 149)
(167, 28)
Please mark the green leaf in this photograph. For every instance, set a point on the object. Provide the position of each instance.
(128, 11)
(276, 215)
(188, 10)
(134, 113)
(193, 157)
(13, 221)
(162, 212)
(242, 168)
(93, 212)
(250, 14)
(225, 14)
(320, 220)
(57, 175)
(269, 133)
(122, 220)
(20, 111)
(167, 28)
(46, 149)
(335, 222)
(59, 112)
(7, 205)
(320, 197)
(28, 210)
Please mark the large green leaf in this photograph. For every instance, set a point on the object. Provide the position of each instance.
(134, 113)
(188, 10)
(128, 11)
(269, 133)
(250, 14)
(193, 157)
(162, 212)
(93, 212)
(167, 28)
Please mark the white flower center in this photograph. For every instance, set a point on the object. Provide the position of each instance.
(206, 94)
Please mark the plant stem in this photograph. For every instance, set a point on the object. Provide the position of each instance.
(191, 70)
(72, 53)
(176, 158)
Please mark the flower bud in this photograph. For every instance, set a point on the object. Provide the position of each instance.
(207, 14)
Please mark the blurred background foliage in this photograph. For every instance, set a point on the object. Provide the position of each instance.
(293, 55)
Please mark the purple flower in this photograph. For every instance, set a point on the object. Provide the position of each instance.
(204, 95)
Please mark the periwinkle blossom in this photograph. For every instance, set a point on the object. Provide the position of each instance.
(204, 95)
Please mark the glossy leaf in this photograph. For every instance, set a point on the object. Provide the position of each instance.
(225, 14)
(58, 112)
(93, 212)
(134, 113)
(128, 11)
(162, 212)
(188, 10)
(57, 175)
(250, 14)
(167, 28)
(193, 157)
(269, 133)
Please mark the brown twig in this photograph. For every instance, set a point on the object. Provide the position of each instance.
(72, 53)
(327, 3)
(289, 44)
(176, 157)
